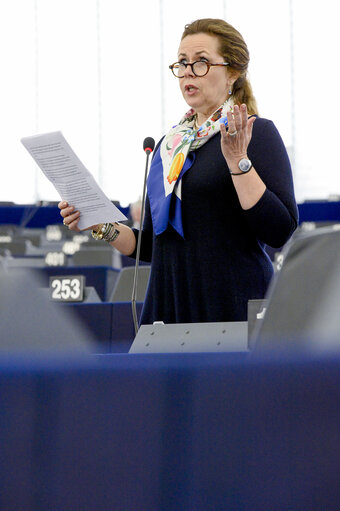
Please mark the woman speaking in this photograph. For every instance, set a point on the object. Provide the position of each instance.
(219, 190)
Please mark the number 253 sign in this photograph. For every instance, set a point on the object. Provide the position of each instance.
(67, 289)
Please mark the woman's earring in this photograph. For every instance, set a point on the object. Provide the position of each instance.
(230, 92)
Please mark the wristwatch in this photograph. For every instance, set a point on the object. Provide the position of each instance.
(244, 165)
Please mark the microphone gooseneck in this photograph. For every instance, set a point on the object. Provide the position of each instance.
(148, 146)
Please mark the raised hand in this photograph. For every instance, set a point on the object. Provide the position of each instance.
(235, 141)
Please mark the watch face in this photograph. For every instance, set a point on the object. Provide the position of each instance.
(244, 165)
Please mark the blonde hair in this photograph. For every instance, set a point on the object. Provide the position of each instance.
(234, 50)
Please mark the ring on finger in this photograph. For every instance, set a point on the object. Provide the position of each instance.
(233, 133)
(64, 222)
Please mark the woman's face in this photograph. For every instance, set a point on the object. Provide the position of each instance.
(205, 94)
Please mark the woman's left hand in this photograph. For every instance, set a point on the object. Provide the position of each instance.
(235, 141)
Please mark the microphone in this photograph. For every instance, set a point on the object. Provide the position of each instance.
(148, 146)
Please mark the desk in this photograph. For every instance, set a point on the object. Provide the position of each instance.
(110, 323)
(102, 278)
(188, 432)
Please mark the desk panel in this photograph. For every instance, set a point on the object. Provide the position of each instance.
(123, 330)
(319, 211)
(97, 318)
(102, 278)
(111, 324)
(31, 215)
(170, 433)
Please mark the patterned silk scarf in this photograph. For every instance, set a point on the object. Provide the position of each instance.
(173, 158)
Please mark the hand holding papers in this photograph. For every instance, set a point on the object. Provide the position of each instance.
(72, 180)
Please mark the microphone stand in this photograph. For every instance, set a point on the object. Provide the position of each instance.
(134, 287)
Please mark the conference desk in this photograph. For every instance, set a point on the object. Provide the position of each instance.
(180, 432)
(101, 278)
(110, 324)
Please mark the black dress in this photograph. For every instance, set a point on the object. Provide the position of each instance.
(211, 274)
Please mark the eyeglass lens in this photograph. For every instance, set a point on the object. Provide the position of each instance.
(199, 68)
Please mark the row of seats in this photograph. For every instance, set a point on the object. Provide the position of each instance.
(56, 246)
(54, 251)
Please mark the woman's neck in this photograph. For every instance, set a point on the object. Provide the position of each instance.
(201, 118)
(204, 116)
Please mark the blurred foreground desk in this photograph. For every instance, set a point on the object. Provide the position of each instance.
(189, 432)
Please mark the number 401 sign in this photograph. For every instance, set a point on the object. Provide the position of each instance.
(69, 288)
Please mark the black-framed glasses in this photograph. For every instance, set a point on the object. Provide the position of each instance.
(199, 67)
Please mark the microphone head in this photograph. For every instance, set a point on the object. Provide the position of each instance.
(148, 144)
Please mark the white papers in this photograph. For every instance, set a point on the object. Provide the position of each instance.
(72, 180)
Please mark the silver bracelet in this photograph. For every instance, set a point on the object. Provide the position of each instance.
(107, 232)
(112, 234)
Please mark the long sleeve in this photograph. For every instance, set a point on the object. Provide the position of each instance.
(275, 216)
(221, 263)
